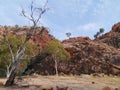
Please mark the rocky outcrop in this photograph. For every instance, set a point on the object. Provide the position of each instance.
(91, 56)
(87, 56)
(41, 37)
(111, 38)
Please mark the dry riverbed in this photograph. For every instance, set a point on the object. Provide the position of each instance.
(83, 82)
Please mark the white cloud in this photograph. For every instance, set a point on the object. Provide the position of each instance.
(81, 7)
(89, 27)
(63, 8)
(75, 16)
(88, 30)
(107, 8)
(100, 7)
(84, 7)
(84, 30)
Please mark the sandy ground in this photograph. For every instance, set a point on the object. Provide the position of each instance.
(84, 82)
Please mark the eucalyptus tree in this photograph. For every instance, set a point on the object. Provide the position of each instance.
(5, 56)
(58, 53)
(68, 34)
(101, 30)
(34, 16)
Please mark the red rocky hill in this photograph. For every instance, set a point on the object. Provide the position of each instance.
(111, 38)
(41, 37)
(87, 56)
(90, 56)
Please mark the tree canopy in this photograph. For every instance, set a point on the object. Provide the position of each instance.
(56, 48)
(15, 42)
(101, 30)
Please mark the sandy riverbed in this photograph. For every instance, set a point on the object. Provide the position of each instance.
(84, 82)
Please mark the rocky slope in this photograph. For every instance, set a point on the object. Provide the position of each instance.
(112, 38)
(91, 56)
(87, 56)
(41, 37)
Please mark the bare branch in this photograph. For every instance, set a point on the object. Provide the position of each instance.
(34, 19)
(42, 11)
(34, 10)
(18, 50)
(21, 52)
(24, 14)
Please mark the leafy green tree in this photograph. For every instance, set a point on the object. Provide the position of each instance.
(5, 56)
(101, 30)
(16, 26)
(68, 34)
(56, 49)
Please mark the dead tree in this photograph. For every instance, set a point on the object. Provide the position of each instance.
(16, 58)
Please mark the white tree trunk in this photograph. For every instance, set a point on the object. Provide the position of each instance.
(13, 70)
(8, 70)
(56, 67)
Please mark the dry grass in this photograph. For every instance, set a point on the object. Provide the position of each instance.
(74, 82)
(2, 81)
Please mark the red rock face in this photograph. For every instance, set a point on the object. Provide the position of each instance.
(42, 38)
(87, 56)
(76, 39)
(111, 38)
(68, 44)
(116, 27)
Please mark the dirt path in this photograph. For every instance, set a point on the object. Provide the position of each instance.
(84, 82)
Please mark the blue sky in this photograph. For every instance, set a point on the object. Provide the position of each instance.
(80, 17)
